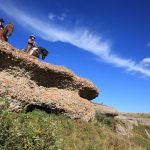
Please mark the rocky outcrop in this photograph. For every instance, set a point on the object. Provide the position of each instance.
(125, 121)
(45, 74)
(128, 123)
(125, 128)
(134, 121)
(106, 110)
(28, 83)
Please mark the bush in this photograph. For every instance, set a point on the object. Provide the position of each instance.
(103, 119)
(31, 131)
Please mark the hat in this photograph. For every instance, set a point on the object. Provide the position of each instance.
(1, 20)
(32, 36)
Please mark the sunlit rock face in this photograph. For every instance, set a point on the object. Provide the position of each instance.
(28, 83)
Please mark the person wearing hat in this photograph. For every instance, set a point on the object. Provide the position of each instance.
(31, 43)
(1, 23)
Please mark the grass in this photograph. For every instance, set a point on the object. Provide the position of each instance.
(38, 130)
(140, 136)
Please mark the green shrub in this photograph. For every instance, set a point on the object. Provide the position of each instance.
(4, 102)
(34, 131)
(103, 119)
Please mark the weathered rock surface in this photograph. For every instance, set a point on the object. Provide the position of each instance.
(106, 110)
(29, 83)
(127, 123)
(124, 129)
(134, 121)
(45, 74)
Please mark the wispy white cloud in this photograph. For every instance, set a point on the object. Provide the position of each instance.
(78, 37)
(145, 62)
(54, 17)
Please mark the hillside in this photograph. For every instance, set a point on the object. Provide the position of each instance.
(39, 130)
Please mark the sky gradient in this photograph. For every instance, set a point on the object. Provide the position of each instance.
(105, 41)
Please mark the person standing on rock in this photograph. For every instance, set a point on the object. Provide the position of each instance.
(1, 23)
(31, 43)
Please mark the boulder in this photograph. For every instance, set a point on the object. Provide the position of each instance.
(45, 74)
(124, 129)
(28, 83)
(106, 110)
(127, 124)
(134, 121)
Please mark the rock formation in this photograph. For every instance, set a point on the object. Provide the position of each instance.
(125, 121)
(106, 110)
(28, 83)
(134, 121)
(128, 123)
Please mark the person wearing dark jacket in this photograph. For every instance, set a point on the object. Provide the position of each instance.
(1, 23)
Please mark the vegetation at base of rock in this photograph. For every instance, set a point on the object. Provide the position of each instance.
(104, 119)
(35, 130)
(39, 130)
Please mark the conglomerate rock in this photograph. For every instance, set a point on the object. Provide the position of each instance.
(45, 74)
(28, 83)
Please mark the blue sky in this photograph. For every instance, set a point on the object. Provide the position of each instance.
(106, 41)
